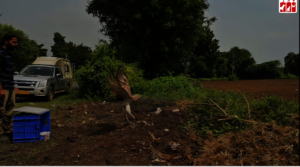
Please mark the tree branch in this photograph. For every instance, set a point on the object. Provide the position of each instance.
(246, 102)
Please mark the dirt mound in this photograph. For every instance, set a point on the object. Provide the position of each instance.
(262, 144)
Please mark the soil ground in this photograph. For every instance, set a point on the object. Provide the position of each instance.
(285, 88)
(99, 134)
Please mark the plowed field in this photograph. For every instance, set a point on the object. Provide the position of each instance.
(285, 88)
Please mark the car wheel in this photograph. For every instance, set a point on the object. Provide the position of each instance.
(50, 95)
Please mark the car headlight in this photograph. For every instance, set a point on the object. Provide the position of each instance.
(43, 83)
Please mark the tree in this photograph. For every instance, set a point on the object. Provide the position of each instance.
(158, 34)
(78, 54)
(291, 64)
(42, 52)
(266, 70)
(240, 60)
(223, 68)
(27, 50)
(59, 49)
(203, 61)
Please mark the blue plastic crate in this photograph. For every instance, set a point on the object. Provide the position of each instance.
(29, 122)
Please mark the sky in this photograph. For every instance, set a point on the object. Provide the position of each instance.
(255, 25)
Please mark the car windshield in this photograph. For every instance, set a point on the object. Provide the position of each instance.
(37, 70)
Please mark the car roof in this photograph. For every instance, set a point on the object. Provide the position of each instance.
(43, 65)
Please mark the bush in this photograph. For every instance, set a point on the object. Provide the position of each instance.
(214, 79)
(92, 78)
(272, 108)
(232, 78)
(135, 78)
(288, 76)
(171, 88)
(266, 70)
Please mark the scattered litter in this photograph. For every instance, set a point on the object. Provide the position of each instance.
(78, 156)
(145, 122)
(148, 115)
(83, 122)
(158, 160)
(60, 125)
(177, 157)
(112, 111)
(85, 113)
(141, 142)
(46, 134)
(104, 102)
(176, 110)
(173, 146)
(167, 130)
(158, 110)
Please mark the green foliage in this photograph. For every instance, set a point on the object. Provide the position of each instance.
(223, 68)
(59, 49)
(78, 54)
(266, 70)
(241, 59)
(235, 62)
(291, 64)
(203, 61)
(214, 79)
(159, 35)
(135, 76)
(232, 78)
(27, 50)
(273, 108)
(169, 88)
(93, 77)
(288, 76)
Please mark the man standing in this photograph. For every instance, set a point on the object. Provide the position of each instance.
(8, 44)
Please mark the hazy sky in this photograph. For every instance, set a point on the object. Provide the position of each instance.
(255, 25)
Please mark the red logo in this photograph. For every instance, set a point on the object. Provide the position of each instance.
(287, 6)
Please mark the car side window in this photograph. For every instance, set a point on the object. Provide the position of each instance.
(57, 71)
(66, 68)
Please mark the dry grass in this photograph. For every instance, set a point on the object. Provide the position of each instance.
(261, 144)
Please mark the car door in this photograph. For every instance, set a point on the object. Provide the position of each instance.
(60, 79)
